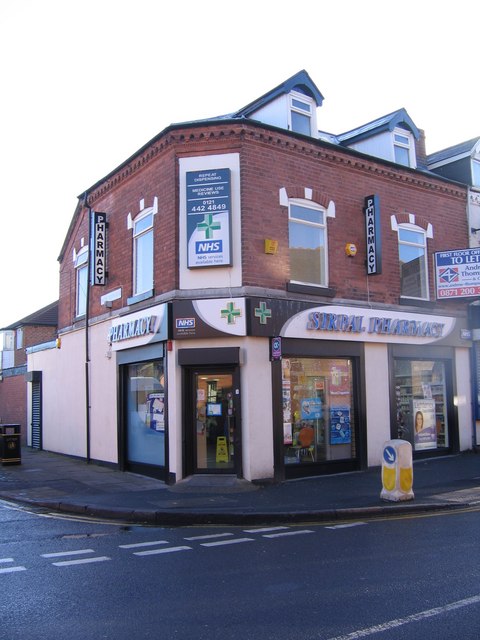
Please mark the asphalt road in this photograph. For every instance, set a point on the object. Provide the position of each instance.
(68, 579)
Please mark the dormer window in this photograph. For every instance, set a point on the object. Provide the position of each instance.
(476, 173)
(403, 148)
(301, 113)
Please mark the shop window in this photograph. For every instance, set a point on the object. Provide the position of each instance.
(145, 413)
(301, 114)
(420, 388)
(81, 278)
(412, 250)
(403, 148)
(307, 234)
(318, 410)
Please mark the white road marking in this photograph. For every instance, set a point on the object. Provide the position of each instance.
(12, 569)
(5, 560)
(60, 554)
(225, 542)
(416, 617)
(264, 530)
(153, 552)
(153, 543)
(69, 563)
(215, 535)
(346, 526)
(287, 533)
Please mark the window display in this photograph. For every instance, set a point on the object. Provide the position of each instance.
(421, 403)
(317, 410)
(145, 416)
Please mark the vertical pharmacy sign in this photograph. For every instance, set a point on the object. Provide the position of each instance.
(209, 218)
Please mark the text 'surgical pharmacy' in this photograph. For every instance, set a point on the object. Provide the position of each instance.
(318, 321)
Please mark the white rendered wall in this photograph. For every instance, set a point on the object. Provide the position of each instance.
(63, 395)
(257, 418)
(377, 399)
(463, 400)
(103, 396)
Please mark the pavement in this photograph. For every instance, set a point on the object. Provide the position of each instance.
(58, 483)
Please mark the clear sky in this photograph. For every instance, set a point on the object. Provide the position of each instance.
(85, 83)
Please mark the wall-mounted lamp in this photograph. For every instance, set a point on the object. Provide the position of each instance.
(472, 230)
(351, 249)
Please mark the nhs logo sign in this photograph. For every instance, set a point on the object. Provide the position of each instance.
(208, 218)
(209, 246)
(185, 323)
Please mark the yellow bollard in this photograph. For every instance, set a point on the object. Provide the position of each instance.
(397, 471)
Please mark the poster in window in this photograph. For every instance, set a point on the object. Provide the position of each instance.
(424, 424)
(311, 408)
(340, 379)
(287, 433)
(340, 429)
(156, 411)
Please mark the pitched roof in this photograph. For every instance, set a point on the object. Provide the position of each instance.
(301, 81)
(48, 316)
(462, 149)
(384, 123)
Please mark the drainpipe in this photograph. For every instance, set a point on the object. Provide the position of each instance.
(87, 344)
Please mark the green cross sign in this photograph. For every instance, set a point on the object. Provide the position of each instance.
(230, 313)
(209, 226)
(263, 313)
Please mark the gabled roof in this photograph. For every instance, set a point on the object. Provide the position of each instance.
(385, 123)
(301, 81)
(48, 316)
(457, 151)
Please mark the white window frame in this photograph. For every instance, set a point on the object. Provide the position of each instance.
(81, 281)
(140, 267)
(476, 172)
(407, 143)
(132, 224)
(312, 206)
(19, 338)
(303, 105)
(423, 245)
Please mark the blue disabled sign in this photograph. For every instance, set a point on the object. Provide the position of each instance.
(389, 455)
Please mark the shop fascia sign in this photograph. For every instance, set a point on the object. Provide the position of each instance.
(373, 236)
(367, 325)
(139, 328)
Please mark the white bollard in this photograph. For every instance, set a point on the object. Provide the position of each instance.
(397, 471)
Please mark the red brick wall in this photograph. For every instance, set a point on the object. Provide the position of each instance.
(269, 161)
(13, 402)
(269, 165)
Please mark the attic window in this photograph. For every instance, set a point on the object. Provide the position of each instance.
(403, 148)
(476, 173)
(301, 110)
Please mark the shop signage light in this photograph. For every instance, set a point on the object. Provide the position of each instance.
(373, 236)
